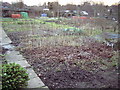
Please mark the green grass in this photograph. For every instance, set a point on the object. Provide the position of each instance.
(37, 21)
(20, 25)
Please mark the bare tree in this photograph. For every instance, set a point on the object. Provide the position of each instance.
(70, 7)
(18, 4)
(99, 9)
(54, 7)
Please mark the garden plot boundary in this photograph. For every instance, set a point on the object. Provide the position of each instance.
(12, 55)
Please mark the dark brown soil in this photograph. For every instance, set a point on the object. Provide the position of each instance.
(87, 66)
(63, 67)
(84, 66)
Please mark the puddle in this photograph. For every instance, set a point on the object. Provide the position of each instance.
(8, 46)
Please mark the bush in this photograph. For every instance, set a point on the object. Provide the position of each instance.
(13, 76)
(21, 23)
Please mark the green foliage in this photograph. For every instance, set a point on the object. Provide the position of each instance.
(13, 76)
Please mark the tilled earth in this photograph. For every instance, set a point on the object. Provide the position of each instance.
(74, 66)
(87, 66)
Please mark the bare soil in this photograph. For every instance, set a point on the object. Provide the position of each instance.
(73, 67)
(89, 65)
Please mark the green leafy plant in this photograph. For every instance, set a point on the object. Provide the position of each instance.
(13, 76)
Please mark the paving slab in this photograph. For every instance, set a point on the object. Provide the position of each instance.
(23, 63)
(13, 52)
(46, 88)
(13, 56)
(31, 73)
(35, 83)
(4, 39)
(10, 57)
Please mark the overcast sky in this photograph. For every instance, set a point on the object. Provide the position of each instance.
(63, 2)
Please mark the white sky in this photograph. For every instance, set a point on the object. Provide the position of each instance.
(63, 2)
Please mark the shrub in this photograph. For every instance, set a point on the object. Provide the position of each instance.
(13, 76)
(21, 23)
